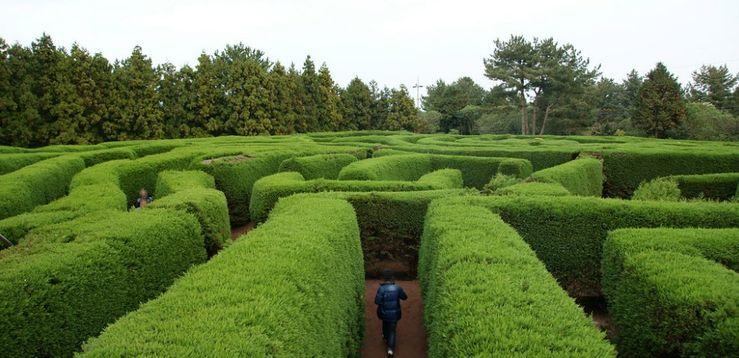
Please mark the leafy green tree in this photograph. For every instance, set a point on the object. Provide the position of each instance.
(248, 95)
(402, 114)
(380, 105)
(610, 108)
(659, 108)
(8, 105)
(450, 99)
(209, 98)
(706, 122)
(632, 85)
(356, 105)
(285, 89)
(136, 111)
(22, 125)
(428, 121)
(714, 85)
(176, 92)
(513, 64)
(329, 113)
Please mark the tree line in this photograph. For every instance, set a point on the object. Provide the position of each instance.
(50, 95)
(543, 87)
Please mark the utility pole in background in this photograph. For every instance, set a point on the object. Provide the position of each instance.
(418, 87)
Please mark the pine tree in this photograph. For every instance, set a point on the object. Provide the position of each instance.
(311, 97)
(357, 104)
(248, 90)
(403, 114)
(209, 101)
(660, 107)
(380, 105)
(714, 85)
(285, 90)
(176, 88)
(136, 112)
(24, 121)
(8, 106)
(329, 113)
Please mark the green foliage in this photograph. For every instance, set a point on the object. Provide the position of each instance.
(66, 282)
(12, 162)
(171, 181)
(307, 301)
(533, 188)
(16, 227)
(661, 189)
(583, 176)
(714, 84)
(500, 181)
(673, 292)
(317, 166)
(567, 232)
(659, 107)
(703, 121)
(476, 171)
(37, 184)
(269, 189)
(514, 167)
(469, 255)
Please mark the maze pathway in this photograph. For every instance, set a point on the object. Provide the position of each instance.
(411, 334)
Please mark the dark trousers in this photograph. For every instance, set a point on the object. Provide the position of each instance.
(388, 332)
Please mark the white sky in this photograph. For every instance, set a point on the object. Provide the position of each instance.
(393, 42)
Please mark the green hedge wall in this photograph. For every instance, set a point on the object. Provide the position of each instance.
(534, 188)
(476, 171)
(487, 294)
(268, 190)
(172, 181)
(719, 186)
(515, 167)
(583, 176)
(37, 184)
(567, 232)
(67, 281)
(294, 286)
(14, 161)
(325, 166)
(673, 292)
(626, 169)
(16, 227)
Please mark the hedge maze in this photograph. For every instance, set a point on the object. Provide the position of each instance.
(507, 235)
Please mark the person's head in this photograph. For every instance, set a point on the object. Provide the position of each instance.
(387, 274)
(143, 194)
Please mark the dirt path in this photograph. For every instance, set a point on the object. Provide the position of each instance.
(411, 341)
(240, 230)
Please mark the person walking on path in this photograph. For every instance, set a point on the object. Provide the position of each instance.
(387, 300)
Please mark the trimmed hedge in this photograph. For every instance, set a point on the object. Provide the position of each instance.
(476, 171)
(37, 184)
(16, 227)
(66, 282)
(172, 181)
(269, 189)
(567, 232)
(487, 294)
(719, 186)
(515, 167)
(325, 166)
(673, 292)
(15, 161)
(534, 188)
(583, 176)
(294, 286)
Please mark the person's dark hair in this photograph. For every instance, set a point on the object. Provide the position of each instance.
(387, 274)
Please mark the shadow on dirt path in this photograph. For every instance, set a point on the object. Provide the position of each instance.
(241, 230)
(411, 341)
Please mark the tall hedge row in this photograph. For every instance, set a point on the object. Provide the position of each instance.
(476, 171)
(317, 166)
(567, 232)
(67, 281)
(487, 294)
(673, 292)
(36, 184)
(292, 287)
(14, 161)
(172, 181)
(269, 189)
(583, 176)
(718, 186)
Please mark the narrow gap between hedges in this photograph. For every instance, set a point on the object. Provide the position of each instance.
(241, 230)
(597, 309)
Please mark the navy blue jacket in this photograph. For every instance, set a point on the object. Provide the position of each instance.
(387, 300)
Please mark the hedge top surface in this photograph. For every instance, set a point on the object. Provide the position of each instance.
(306, 302)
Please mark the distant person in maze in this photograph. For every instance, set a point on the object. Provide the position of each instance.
(387, 300)
(143, 200)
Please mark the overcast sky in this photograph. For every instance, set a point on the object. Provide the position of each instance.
(393, 42)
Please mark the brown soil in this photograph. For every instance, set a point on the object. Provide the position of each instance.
(231, 160)
(241, 230)
(411, 335)
(597, 309)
